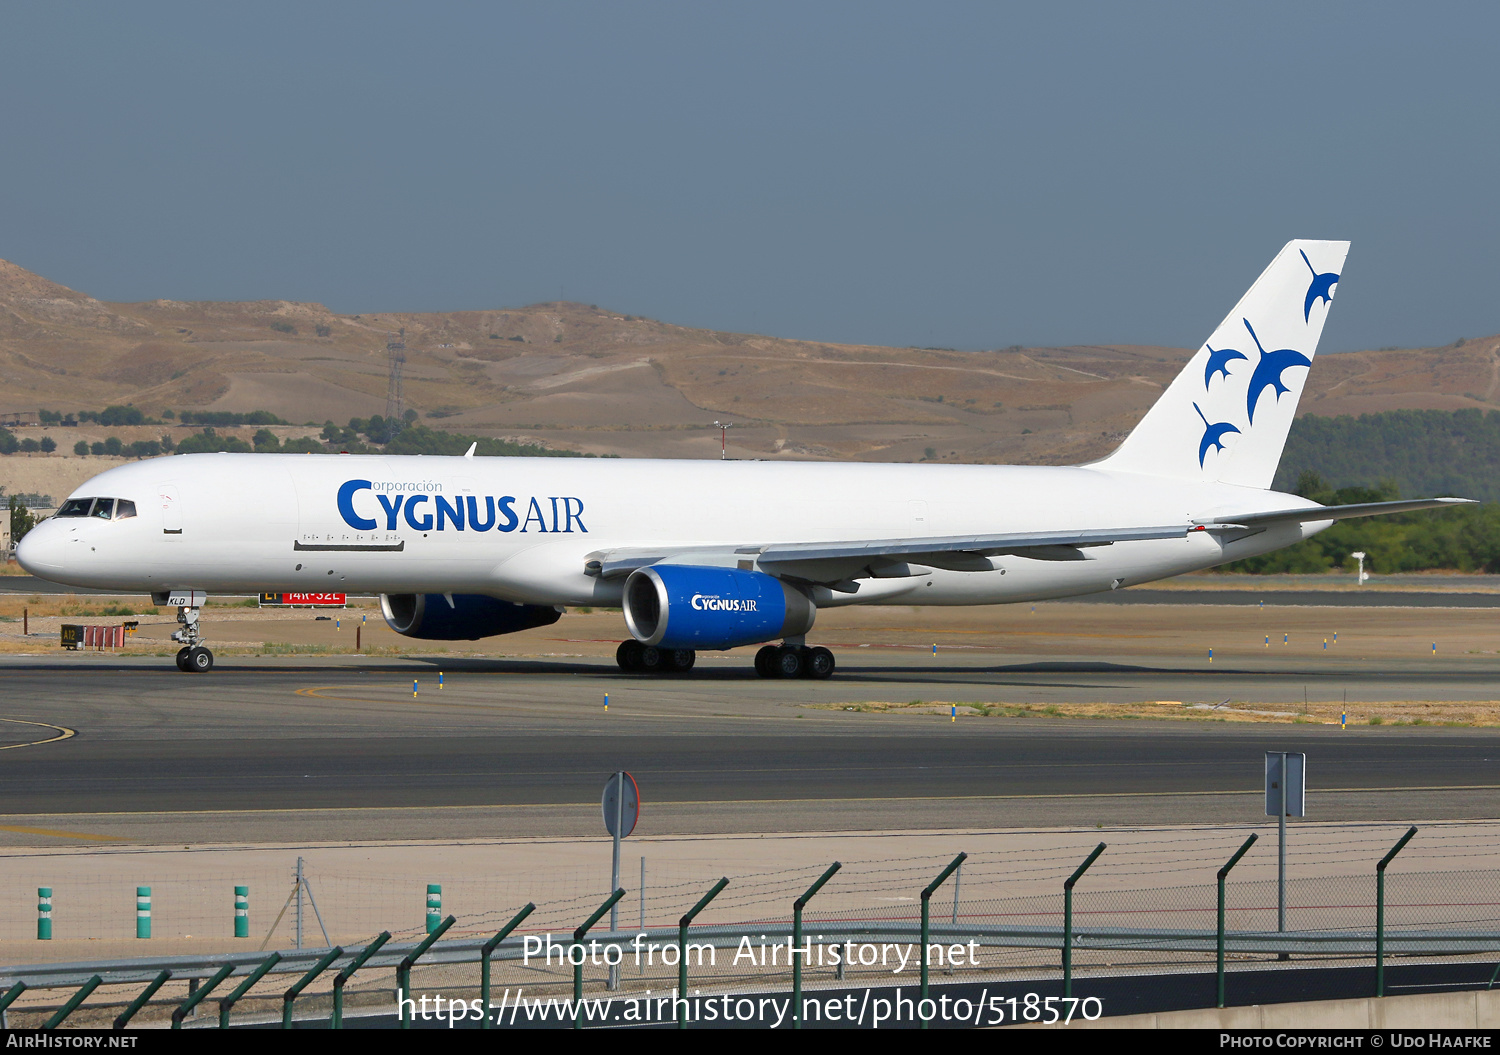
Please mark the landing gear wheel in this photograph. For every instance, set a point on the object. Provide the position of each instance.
(628, 655)
(817, 663)
(765, 661)
(788, 662)
(182, 657)
(200, 660)
(680, 660)
(652, 660)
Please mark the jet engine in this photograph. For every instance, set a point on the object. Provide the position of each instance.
(682, 606)
(469, 617)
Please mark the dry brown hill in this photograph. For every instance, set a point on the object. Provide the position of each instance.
(585, 378)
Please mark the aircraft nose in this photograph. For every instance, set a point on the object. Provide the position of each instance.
(40, 552)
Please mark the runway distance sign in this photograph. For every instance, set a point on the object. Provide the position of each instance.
(304, 600)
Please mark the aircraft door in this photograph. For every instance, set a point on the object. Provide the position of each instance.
(171, 509)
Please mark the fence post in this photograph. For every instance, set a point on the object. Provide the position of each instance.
(403, 969)
(143, 912)
(43, 913)
(124, 1017)
(434, 906)
(298, 891)
(336, 1020)
(196, 997)
(227, 1004)
(578, 967)
(242, 912)
(797, 958)
(1067, 949)
(1223, 872)
(682, 929)
(73, 1002)
(302, 983)
(927, 893)
(8, 999)
(1380, 909)
(487, 950)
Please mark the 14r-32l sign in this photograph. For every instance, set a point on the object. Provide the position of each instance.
(303, 600)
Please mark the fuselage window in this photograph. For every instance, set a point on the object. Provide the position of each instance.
(124, 508)
(104, 508)
(75, 507)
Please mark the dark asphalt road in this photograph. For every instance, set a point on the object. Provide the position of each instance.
(309, 736)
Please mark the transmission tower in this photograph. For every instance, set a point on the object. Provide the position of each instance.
(395, 347)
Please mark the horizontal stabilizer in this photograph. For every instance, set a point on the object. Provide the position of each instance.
(1313, 514)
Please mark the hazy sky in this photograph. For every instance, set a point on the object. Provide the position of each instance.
(971, 175)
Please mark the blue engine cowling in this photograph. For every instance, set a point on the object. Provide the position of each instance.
(470, 617)
(682, 606)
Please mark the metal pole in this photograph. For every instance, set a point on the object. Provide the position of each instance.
(958, 882)
(195, 997)
(403, 969)
(302, 983)
(73, 1002)
(340, 979)
(797, 958)
(124, 1017)
(643, 908)
(1281, 851)
(9, 998)
(299, 902)
(927, 893)
(1222, 873)
(488, 950)
(578, 967)
(1380, 909)
(1067, 950)
(613, 981)
(682, 929)
(227, 1004)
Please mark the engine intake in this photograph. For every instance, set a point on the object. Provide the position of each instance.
(471, 616)
(682, 606)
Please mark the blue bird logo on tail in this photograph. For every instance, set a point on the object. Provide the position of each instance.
(1213, 435)
(1320, 289)
(1218, 362)
(1269, 370)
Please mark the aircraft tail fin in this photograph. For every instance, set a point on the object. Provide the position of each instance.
(1226, 416)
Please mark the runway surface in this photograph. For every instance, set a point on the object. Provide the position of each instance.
(340, 748)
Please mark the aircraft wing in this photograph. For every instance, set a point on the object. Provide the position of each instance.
(832, 563)
(827, 562)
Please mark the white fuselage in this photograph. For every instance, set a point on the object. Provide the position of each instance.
(240, 523)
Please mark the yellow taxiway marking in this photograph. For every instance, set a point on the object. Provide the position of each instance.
(63, 835)
(63, 733)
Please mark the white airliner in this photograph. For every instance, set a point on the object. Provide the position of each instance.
(716, 554)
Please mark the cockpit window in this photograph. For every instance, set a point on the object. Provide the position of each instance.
(103, 508)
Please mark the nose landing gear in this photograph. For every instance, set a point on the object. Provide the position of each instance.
(193, 658)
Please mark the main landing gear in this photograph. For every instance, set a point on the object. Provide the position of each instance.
(772, 661)
(193, 658)
(648, 659)
(794, 661)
